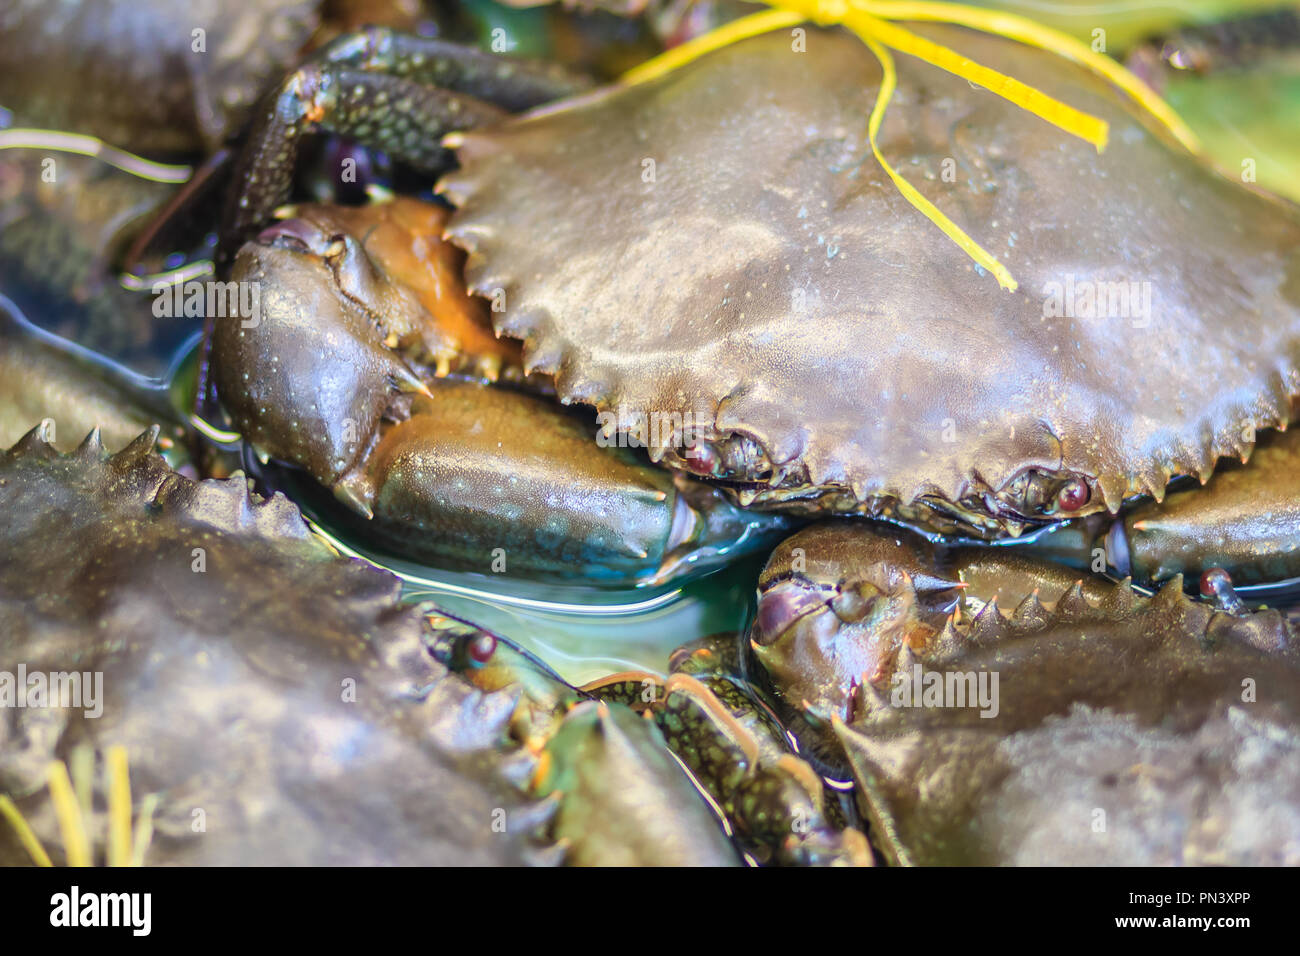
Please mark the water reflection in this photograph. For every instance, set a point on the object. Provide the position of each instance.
(582, 632)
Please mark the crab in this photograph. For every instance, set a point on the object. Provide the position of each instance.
(371, 369)
(728, 740)
(1096, 724)
(331, 731)
(368, 366)
(219, 617)
(838, 601)
(774, 272)
(804, 271)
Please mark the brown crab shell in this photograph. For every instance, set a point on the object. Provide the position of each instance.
(721, 243)
(1179, 723)
(131, 73)
(227, 637)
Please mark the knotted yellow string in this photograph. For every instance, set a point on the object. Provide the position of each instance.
(869, 21)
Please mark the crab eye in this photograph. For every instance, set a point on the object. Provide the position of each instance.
(1213, 580)
(480, 650)
(1216, 584)
(701, 460)
(1074, 494)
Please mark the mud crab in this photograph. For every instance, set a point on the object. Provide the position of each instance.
(301, 712)
(147, 553)
(369, 366)
(810, 269)
(1055, 421)
(1159, 751)
(952, 405)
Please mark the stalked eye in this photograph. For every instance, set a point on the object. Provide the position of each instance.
(701, 460)
(1213, 580)
(1216, 584)
(781, 606)
(480, 649)
(1074, 494)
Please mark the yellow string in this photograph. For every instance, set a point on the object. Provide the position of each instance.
(1088, 128)
(75, 844)
(30, 841)
(118, 785)
(716, 39)
(868, 19)
(888, 83)
(1025, 31)
(70, 811)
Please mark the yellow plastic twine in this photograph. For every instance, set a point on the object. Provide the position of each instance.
(869, 21)
(1044, 38)
(889, 80)
(72, 810)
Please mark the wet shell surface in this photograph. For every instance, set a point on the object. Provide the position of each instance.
(732, 252)
(263, 686)
(1138, 731)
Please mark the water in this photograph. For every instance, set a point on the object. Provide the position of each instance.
(583, 632)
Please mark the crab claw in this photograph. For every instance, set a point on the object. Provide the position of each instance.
(492, 480)
(355, 309)
(306, 379)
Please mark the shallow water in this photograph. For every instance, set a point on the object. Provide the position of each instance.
(583, 632)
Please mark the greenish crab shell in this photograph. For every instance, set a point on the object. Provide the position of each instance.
(831, 349)
(730, 742)
(626, 798)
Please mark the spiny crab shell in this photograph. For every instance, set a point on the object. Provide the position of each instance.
(733, 256)
(227, 637)
(1179, 722)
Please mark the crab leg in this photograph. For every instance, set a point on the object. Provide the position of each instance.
(401, 93)
(731, 745)
(736, 751)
